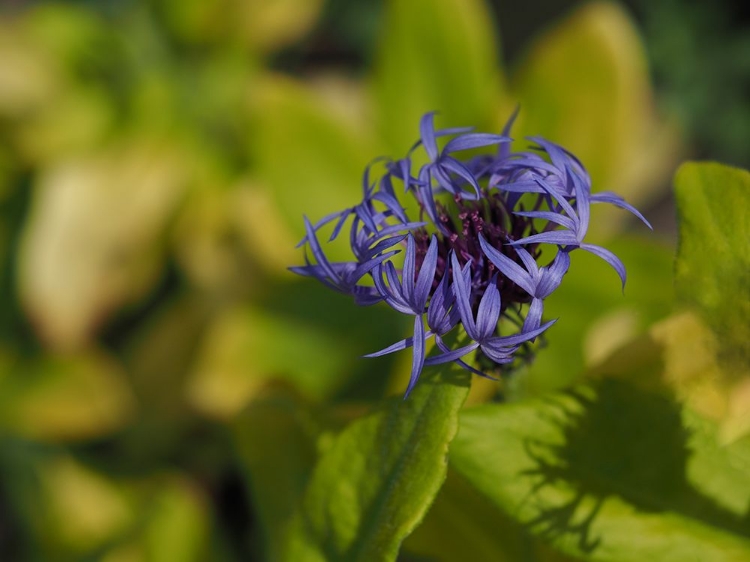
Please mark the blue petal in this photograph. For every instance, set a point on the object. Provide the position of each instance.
(533, 316)
(497, 344)
(552, 276)
(395, 291)
(608, 197)
(554, 193)
(427, 132)
(366, 296)
(528, 262)
(556, 153)
(453, 131)
(504, 149)
(530, 162)
(610, 258)
(426, 275)
(409, 269)
(365, 267)
(557, 218)
(488, 313)
(318, 252)
(325, 220)
(508, 267)
(417, 354)
(453, 165)
(392, 204)
(426, 197)
(342, 219)
(463, 364)
(378, 248)
(583, 207)
(452, 355)
(462, 290)
(398, 346)
(521, 186)
(565, 238)
(438, 317)
(501, 356)
(473, 140)
(443, 179)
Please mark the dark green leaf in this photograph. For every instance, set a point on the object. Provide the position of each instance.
(276, 443)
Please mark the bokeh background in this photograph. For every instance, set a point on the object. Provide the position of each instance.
(156, 159)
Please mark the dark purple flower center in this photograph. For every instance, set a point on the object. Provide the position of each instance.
(464, 220)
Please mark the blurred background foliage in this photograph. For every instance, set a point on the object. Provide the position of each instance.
(166, 386)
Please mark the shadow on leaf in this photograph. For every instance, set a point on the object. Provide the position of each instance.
(617, 441)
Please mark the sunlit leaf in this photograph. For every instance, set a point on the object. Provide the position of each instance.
(608, 471)
(91, 243)
(585, 85)
(378, 478)
(435, 55)
(712, 271)
(688, 359)
(690, 352)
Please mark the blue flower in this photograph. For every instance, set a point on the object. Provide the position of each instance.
(481, 329)
(538, 282)
(471, 263)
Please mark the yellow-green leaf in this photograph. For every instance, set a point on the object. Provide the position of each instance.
(584, 84)
(92, 239)
(611, 472)
(712, 271)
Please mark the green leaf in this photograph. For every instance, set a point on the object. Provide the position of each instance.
(610, 472)
(377, 480)
(435, 55)
(712, 271)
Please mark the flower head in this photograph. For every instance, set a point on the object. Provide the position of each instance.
(469, 263)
